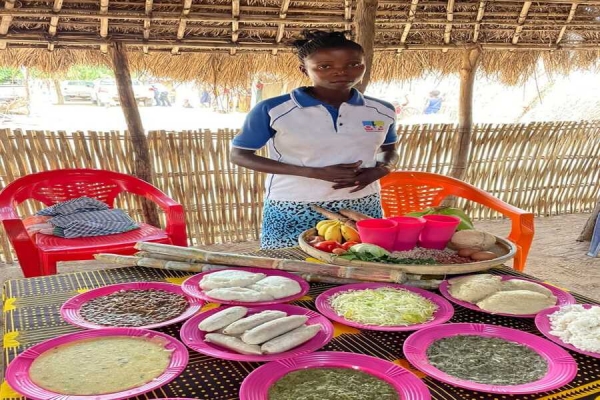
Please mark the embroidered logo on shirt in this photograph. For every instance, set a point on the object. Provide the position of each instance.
(374, 126)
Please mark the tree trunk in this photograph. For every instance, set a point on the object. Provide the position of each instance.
(366, 11)
(588, 229)
(59, 96)
(25, 71)
(468, 68)
(143, 166)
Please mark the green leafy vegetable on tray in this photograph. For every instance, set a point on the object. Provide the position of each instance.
(373, 253)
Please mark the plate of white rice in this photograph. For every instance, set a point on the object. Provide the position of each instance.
(573, 326)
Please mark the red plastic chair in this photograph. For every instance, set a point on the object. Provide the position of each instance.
(38, 255)
(407, 191)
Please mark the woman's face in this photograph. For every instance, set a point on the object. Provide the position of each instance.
(335, 69)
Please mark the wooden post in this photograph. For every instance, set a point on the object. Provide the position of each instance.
(588, 229)
(366, 11)
(143, 166)
(59, 96)
(468, 68)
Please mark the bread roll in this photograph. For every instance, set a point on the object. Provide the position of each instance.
(474, 288)
(232, 343)
(244, 324)
(290, 340)
(271, 329)
(222, 318)
(517, 302)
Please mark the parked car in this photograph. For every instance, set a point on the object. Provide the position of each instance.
(106, 94)
(12, 91)
(77, 90)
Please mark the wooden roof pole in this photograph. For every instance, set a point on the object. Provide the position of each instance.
(468, 68)
(285, 4)
(521, 21)
(148, 10)
(187, 4)
(348, 15)
(364, 23)
(412, 12)
(54, 22)
(5, 22)
(141, 152)
(567, 22)
(449, 18)
(104, 24)
(480, 13)
(235, 15)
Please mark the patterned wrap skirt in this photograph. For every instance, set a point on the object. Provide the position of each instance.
(284, 221)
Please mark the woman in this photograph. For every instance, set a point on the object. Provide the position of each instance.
(328, 144)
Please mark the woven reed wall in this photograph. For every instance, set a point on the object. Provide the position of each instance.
(548, 168)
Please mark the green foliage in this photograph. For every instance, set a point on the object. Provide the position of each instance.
(75, 73)
(7, 75)
(88, 73)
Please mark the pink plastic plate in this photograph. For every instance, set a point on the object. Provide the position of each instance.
(444, 312)
(191, 286)
(562, 297)
(562, 368)
(542, 321)
(409, 387)
(71, 310)
(17, 373)
(194, 337)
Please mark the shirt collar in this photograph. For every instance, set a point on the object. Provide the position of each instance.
(303, 99)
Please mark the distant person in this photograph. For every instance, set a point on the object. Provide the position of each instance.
(186, 103)
(161, 95)
(164, 98)
(156, 93)
(205, 99)
(400, 107)
(434, 103)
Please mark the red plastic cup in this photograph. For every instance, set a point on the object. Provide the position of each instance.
(407, 232)
(438, 231)
(380, 232)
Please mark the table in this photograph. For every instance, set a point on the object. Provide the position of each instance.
(31, 315)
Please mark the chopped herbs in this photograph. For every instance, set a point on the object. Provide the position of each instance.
(487, 360)
(387, 259)
(331, 384)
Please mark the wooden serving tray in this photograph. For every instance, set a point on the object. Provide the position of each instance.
(503, 248)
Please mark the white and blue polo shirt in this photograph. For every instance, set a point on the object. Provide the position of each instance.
(301, 130)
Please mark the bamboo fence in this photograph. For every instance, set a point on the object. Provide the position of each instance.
(547, 168)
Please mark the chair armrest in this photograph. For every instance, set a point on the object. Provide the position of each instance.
(16, 232)
(175, 215)
(522, 227)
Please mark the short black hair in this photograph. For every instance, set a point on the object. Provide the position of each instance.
(315, 40)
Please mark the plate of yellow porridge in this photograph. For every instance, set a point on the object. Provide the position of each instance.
(103, 364)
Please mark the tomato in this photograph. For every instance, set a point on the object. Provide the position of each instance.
(327, 245)
(347, 245)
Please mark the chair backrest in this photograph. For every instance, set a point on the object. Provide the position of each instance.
(407, 191)
(51, 187)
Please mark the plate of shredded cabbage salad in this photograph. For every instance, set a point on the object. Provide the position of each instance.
(384, 307)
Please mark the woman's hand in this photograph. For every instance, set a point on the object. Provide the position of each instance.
(365, 177)
(336, 173)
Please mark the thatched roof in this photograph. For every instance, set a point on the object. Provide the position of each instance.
(196, 39)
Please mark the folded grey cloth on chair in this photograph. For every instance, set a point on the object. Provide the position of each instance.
(92, 223)
(80, 204)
